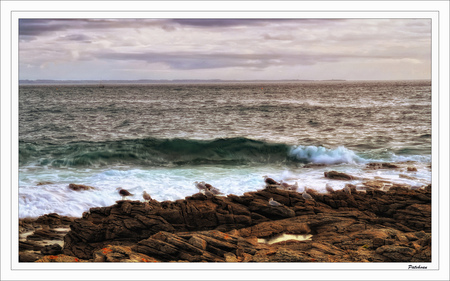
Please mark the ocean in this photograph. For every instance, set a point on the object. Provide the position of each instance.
(163, 137)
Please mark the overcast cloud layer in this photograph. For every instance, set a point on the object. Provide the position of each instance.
(353, 49)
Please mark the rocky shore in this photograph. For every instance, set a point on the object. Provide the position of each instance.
(371, 225)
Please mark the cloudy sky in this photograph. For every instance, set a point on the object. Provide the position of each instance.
(352, 49)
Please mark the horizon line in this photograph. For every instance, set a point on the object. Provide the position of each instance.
(40, 81)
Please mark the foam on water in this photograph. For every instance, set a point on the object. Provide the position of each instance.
(46, 190)
(322, 155)
(413, 158)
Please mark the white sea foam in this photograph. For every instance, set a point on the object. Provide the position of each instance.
(322, 155)
(414, 158)
(47, 191)
(53, 195)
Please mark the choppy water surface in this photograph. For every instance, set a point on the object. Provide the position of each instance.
(162, 138)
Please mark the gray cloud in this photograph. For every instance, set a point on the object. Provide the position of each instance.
(186, 61)
(214, 44)
(35, 27)
(226, 22)
(280, 37)
(77, 37)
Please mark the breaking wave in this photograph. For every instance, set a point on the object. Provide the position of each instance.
(322, 155)
(164, 152)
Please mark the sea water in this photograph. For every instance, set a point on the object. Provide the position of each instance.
(163, 137)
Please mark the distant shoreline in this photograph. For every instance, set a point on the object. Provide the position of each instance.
(162, 81)
(189, 81)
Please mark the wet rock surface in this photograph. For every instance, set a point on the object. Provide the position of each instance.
(78, 187)
(357, 226)
(42, 236)
(338, 175)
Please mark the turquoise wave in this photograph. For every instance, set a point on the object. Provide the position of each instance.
(166, 152)
(154, 152)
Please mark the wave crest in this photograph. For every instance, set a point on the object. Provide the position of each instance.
(167, 152)
(322, 155)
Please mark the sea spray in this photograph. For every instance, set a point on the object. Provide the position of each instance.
(322, 155)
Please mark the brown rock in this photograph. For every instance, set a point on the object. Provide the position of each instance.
(396, 253)
(114, 253)
(381, 166)
(338, 175)
(389, 166)
(246, 258)
(377, 242)
(155, 248)
(230, 257)
(167, 247)
(345, 227)
(29, 245)
(264, 229)
(29, 256)
(402, 238)
(46, 234)
(78, 187)
(327, 248)
(263, 208)
(54, 249)
(378, 184)
(44, 183)
(411, 236)
(178, 242)
(288, 255)
(60, 258)
(299, 228)
(263, 255)
(197, 242)
(54, 219)
(425, 241)
(374, 165)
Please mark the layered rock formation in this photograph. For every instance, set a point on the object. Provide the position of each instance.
(42, 236)
(364, 226)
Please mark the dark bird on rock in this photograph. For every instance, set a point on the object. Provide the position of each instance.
(124, 193)
(270, 181)
(146, 196)
(212, 189)
(274, 203)
(215, 191)
(207, 189)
